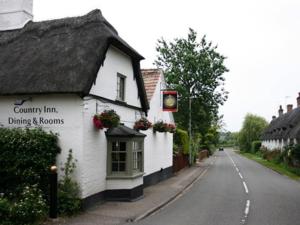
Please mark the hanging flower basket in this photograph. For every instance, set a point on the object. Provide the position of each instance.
(107, 119)
(142, 124)
(160, 126)
(171, 128)
(97, 122)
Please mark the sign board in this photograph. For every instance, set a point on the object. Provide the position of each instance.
(169, 101)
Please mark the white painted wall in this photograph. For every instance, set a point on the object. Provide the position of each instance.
(68, 111)
(106, 82)
(272, 145)
(158, 150)
(14, 14)
(95, 148)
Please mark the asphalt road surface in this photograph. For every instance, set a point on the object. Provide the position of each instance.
(234, 191)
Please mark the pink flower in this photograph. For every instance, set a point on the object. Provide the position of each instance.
(97, 122)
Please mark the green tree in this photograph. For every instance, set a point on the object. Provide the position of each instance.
(195, 69)
(252, 129)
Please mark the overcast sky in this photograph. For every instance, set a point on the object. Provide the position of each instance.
(259, 37)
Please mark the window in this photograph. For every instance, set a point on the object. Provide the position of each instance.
(121, 87)
(137, 157)
(118, 156)
(125, 158)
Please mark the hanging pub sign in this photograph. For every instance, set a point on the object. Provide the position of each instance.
(169, 101)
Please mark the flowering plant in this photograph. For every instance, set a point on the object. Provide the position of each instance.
(160, 126)
(171, 128)
(142, 124)
(97, 122)
(107, 119)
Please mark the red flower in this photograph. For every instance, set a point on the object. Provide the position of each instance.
(97, 122)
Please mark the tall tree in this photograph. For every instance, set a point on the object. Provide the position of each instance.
(195, 69)
(252, 129)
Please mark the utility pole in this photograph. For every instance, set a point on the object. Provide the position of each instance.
(190, 124)
(190, 130)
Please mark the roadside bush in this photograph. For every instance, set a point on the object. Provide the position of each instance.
(25, 159)
(69, 202)
(5, 208)
(30, 208)
(255, 146)
(181, 140)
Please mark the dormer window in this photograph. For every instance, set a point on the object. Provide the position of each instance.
(121, 81)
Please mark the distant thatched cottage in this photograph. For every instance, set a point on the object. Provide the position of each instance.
(57, 75)
(283, 130)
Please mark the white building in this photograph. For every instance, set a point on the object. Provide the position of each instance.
(158, 146)
(283, 130)
(57, 75)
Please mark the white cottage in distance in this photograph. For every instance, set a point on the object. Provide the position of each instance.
(58, 74)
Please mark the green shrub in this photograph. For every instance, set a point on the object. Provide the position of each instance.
(69, 202)
(5, 209)
(181, 139)
(25, 159)
(255, 146)
(30, 208)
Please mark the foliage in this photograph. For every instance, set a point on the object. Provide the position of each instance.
(69, 202)
(195, 69)
(142, 124)
(181, 140)
(160, 126)
(29, 208)
(171, 127)
(252, 129)
(5, 209)
(229, 139)
(255, 146)
(25, 159)
(107, 119)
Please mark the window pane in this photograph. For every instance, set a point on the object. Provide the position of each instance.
(122, 167)
(121, 88)
(115, 157)
(114, 146)
(122, 157)
(123, 146)
(114, 167)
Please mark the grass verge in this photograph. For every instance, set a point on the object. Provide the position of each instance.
(279, 168)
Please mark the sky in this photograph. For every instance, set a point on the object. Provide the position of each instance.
(260, 39)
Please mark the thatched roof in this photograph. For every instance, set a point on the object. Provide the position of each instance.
(60, 56)
(284, 127)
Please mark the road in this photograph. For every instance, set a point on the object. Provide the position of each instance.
(234, 191)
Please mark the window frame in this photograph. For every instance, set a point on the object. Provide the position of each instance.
(129, 172)
(121, 97)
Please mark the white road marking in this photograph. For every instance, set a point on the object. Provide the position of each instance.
(245, 186)
(241, 176)
(247, 208)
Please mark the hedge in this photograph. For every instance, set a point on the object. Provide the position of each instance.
(25, 158)
(181, 139)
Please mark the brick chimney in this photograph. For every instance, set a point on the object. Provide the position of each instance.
(14, 14)
(289, 108)
(298, 100)
(280, 111)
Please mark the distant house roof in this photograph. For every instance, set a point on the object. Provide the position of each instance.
(284, 127)
(151, 78)
(60, 56)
